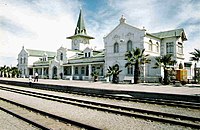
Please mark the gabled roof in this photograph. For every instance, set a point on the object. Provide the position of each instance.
(148, 34)
(96, 54)
(121, 25)
(171, 33)
(40, 53)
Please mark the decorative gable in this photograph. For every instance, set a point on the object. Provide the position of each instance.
(88, 52)
(62, 54)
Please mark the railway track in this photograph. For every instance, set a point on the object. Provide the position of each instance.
(182, 104)
(187, 121)
(41, 119)
(193, 104)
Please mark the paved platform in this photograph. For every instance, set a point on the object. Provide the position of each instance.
(188, 89)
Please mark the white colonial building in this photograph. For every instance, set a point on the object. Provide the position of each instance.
(81, 60)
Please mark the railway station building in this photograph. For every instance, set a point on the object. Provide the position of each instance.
(78, 62)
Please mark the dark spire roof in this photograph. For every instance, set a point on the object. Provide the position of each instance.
(80, 28)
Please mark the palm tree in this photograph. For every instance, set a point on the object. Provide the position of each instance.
(136, 57)
(114, 72)
(196, 57)
(95, 75)
(4, 71)
(164, 61)
(1, 71)
(8, 71)
(14, 71)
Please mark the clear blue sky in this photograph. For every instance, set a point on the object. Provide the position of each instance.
(44, 25)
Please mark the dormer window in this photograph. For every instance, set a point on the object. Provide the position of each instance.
(44, 59)
(87, 54)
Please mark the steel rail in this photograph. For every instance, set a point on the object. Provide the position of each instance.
(75, 123)
(104, 107)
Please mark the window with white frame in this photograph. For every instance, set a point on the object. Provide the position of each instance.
(116, 48)
(129, 45)
(21, 60)
(180, 48)
(157, 47)
(150, 45)
(170, 47)
(130, 70)
(61, 56)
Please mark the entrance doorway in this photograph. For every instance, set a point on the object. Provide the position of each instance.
(54, 76)
(87, 71)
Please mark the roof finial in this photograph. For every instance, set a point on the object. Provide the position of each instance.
(143, 28)
(122, 19)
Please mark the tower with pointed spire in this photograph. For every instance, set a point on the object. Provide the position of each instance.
(80, 35)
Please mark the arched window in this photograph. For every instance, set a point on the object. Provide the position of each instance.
(129, 45)
(21, 60)
(150, 45)
(116, 47)
(116, 66)
(61, 56)
(157, 47)
(76, 70)
(24, 60)
(93, 68)
(82, 70)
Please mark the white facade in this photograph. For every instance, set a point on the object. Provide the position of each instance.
(79, 63)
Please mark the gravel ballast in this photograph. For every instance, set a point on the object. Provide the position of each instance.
(161, 108)
(9, 122)
(96, 118)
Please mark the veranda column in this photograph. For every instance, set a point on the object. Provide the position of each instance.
(72, 72)
(42, 72)
(90, 69)
(33, 72)
(144, 72)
